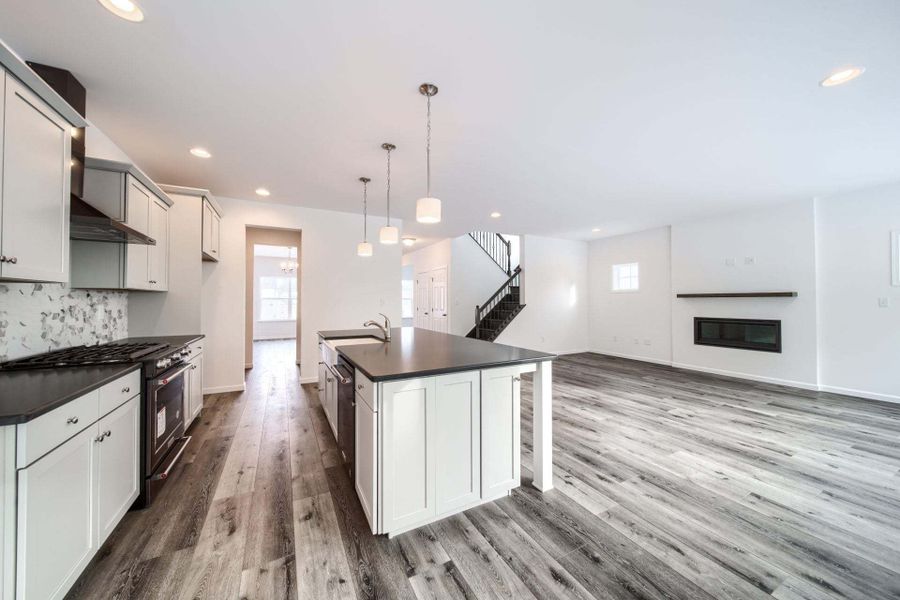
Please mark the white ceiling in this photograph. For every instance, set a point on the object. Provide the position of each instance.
(562, 116)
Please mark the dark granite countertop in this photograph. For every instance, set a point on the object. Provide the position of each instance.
(25, 395)
(419, 352)
(30, 393)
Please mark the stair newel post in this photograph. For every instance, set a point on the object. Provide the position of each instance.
(508, 258)
(477, 322)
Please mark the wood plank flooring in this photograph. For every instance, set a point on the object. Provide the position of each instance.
(669, 484)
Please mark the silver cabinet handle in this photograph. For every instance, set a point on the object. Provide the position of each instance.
(2, 258)
(329, 379)
(99, 438)
(71, 420)
(12, 259)
(517, 379)
(125, 390)
(107, 433)
(359, 386)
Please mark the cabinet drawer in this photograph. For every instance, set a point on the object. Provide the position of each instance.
(114, 394)
(39, 436)
(365, 389)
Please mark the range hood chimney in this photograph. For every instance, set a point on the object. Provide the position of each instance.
(87, 223)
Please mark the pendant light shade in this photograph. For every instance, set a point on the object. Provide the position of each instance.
(389, 235)
(364, 248)
(428, 209)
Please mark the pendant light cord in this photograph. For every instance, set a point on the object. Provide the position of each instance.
(428, 148)
(388, 187)
(365, 209)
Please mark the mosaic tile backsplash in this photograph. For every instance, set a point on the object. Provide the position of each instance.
(37, 317)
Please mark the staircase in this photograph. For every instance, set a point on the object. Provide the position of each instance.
(492, 317)
(497, 247)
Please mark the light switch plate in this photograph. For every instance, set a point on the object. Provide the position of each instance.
(729, 262)
(750, 260)
(884, 302)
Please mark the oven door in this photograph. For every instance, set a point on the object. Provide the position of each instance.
(165, 414)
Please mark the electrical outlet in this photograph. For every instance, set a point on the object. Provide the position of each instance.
(646, 342)
(750, 260)
(884, 302)
(729, 262)
(637, 341)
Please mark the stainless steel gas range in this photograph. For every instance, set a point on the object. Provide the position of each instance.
(164, 365)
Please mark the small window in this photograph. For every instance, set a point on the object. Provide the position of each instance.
(625, 278)
(895, 257)
(406, 298)
(278, 298)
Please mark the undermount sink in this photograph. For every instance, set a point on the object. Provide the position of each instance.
(355, 341)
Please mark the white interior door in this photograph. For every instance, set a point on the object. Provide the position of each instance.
(440, 308)
(423, 300)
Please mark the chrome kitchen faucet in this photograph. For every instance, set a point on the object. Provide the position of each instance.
(385, 329)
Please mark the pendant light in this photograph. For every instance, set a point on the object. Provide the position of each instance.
(290, 265)
(364, 248)
(428, 209)
(389, 235)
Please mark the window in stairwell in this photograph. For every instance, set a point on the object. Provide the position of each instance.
(625, 278)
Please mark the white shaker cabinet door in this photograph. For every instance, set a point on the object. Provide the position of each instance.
(34, 232)
(195, 387)
(408, 460)
(56, 535)
(366, 468)
(457, 440)
(500, 452)
(118, 455)
(158, 260)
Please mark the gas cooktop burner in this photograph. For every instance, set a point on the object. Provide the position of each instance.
(79, 356)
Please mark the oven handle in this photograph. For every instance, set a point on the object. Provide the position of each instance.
(168, 378)
(174, 460)
(333, 371)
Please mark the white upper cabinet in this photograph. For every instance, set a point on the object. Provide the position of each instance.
(36, 156)
(159, 254)
(211, 235)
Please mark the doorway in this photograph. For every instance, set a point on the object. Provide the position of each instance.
(432, 305)
(272, 293)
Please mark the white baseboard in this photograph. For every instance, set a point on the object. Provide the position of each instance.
(566, 352)
(222, 389)
(773, 380)
(803, 385)
(657, 361)
(860, 393)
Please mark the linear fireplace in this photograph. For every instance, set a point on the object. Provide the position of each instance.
(747, 334)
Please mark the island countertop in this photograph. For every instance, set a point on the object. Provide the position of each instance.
(414, 352)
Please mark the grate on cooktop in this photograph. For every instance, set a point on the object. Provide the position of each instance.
(77, 356)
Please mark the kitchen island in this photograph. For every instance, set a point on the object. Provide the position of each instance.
(429, 422)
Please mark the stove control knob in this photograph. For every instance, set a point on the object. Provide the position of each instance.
(163, 363)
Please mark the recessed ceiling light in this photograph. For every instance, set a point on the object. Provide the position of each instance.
(263, 192)
(595, 230)
(842, 76)
(495, 215)
(408, 241)
(125, 9)
(200, 152)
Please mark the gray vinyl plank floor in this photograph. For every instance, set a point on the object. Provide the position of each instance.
(669, 485)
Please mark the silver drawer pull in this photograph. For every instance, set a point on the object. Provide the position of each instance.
(359, 386)
(107, 433)
(12, 259)
(71, 420)
(99, 438)
(517, 379)
(125, 390)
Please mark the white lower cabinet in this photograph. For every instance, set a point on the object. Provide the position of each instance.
(366, 468)
(457, 440)
(407, 460)
(56, 534)
(117, 462)
(193, 395)
(500, 448)
(70, 500)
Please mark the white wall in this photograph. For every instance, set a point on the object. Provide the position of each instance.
(780, 242)
(338, 289)
(267, 266)
(859, 342)
(177, 311)
(632, 324)
(555, 291)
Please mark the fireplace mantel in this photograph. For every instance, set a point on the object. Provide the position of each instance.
(740, 295)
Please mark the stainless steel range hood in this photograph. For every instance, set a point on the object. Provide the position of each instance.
(89, 224)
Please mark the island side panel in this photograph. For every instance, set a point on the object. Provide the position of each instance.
(543, 426)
